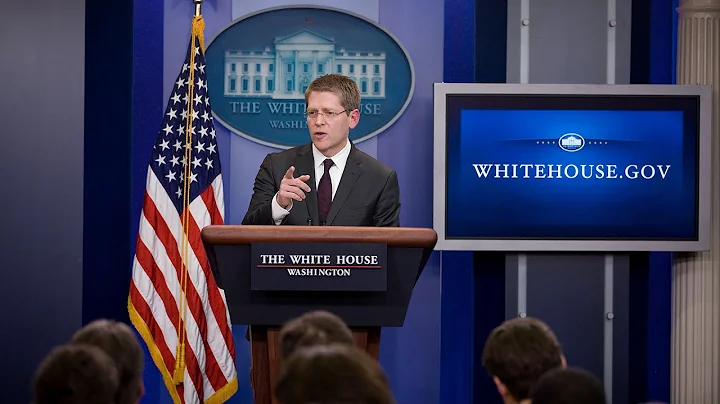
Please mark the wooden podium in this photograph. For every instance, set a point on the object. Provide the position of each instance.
(230, 252)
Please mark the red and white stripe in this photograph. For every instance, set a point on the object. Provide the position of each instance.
(154, 296)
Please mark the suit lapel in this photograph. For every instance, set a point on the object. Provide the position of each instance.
(347, 181)
(305, 164)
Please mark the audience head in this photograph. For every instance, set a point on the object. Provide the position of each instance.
(332, 374)
(76, 374)
(314, 328)
(119, 342)
(517, 353)
(568, 386)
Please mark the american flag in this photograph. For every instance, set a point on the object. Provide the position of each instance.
(174, 302)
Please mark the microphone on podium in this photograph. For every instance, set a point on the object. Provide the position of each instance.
(309, 221)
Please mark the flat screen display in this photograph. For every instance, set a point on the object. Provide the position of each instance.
(584, 167)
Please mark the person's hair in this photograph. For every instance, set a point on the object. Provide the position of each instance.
(313, 328)
(341, 85)
(568, 386)
(519, 352)
(76, 374)
(332, 374)
(119, 342)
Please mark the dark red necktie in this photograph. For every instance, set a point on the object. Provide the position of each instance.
(324, 192)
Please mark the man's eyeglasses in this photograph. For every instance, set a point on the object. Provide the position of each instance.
(327, 115)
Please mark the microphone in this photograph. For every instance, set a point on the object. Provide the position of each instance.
(309, 220)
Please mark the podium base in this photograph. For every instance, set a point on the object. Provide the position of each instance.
(266, 357)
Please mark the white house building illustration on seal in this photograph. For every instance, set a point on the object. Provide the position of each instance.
(286, 71)
(571, 142)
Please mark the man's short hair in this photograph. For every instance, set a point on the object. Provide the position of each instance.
(568, 386)
(332, 374)
(519, 352)
(341, 85)
(119, 342)
(314, 328)
(76, 374)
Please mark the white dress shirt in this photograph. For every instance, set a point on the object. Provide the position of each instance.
(336, 171)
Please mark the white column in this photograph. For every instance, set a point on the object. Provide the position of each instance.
(695, 360)
(279, 75)
(315, 64)
(296, 72)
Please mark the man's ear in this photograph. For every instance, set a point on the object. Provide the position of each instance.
(500, 386)
(354, 118)
(563, 361)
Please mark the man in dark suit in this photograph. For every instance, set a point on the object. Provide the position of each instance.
(337, 184)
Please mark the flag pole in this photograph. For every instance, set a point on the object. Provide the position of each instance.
(197, 32)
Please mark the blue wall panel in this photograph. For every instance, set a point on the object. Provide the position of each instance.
(457, 327)
(457, 268)
(491, 41)
(147, 113)
(108, 133)
(489, 305)
(654, 30)
(663, 57)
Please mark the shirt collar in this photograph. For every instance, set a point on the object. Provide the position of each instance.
(339, 159)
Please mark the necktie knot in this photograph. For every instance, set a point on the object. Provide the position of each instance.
(328, 163)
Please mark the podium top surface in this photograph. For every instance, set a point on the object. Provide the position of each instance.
(392, 236)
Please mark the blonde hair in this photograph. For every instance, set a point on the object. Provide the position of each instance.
(341, 85)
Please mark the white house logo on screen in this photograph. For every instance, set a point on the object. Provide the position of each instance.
(571, 142)
(261, 64)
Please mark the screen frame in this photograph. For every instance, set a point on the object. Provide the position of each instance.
(441, 91)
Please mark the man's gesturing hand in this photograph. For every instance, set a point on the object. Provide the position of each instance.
(292, 188)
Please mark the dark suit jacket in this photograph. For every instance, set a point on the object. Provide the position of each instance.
(368, 193)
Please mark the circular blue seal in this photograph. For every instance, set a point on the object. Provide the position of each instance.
(261, 64)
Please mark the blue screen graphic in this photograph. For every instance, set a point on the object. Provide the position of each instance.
(574, 173)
